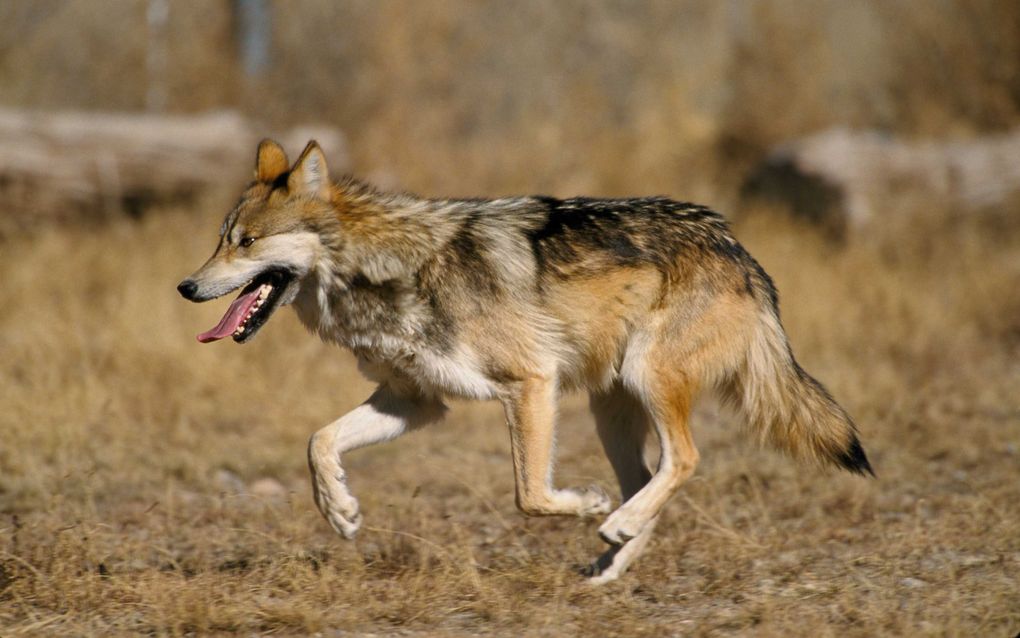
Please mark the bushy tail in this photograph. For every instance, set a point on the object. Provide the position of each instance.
(787, 407)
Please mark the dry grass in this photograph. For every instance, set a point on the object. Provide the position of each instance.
(130, 456)
(149, 484)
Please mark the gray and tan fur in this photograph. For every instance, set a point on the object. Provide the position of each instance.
(644, 303)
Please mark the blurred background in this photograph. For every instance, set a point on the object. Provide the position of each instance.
(469, 98)
(867, 152)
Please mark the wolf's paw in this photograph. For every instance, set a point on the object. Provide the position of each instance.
(592, 501)
(346, 524)
(569, 502)
(602, 570)
(621, 526)
(338, 506)
(589, 501)
(596, 579)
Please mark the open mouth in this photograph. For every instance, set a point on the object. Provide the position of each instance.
(251, 309)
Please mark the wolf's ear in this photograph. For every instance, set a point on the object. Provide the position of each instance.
(310, 175)
(270, 161)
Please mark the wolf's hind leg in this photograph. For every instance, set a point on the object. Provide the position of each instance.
(622, 426)
(384, 416)
(531, 416)
(667, 397)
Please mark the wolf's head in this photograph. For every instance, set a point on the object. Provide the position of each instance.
(268, 242)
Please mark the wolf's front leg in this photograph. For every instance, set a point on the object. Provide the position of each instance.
(531, 416)
(387, 414)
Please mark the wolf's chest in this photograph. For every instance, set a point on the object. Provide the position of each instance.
(388, 329)
(376, 318)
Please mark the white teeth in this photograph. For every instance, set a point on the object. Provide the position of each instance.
(264, 291)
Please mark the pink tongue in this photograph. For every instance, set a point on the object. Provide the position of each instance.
(232, 319)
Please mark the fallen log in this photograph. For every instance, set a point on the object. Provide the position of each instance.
(847, 179)
(72, 166)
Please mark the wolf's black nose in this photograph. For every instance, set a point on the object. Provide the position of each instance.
(187, 288)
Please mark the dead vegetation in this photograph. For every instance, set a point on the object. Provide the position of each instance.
(154, 485)
(151, 485)
(574, 97)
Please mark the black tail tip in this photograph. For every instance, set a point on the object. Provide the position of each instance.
(853, 459)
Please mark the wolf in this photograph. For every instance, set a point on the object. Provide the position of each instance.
(644, 303)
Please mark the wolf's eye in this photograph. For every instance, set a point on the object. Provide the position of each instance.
(247, 241)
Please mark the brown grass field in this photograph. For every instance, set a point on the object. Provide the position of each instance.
(153, 485)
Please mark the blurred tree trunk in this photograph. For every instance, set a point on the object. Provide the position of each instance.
(156, 18)
(253, 33)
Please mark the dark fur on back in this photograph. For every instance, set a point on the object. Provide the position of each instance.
(629, 231)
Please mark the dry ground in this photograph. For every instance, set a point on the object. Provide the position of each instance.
(133, 459)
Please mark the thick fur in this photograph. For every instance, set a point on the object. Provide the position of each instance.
(642, 302)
